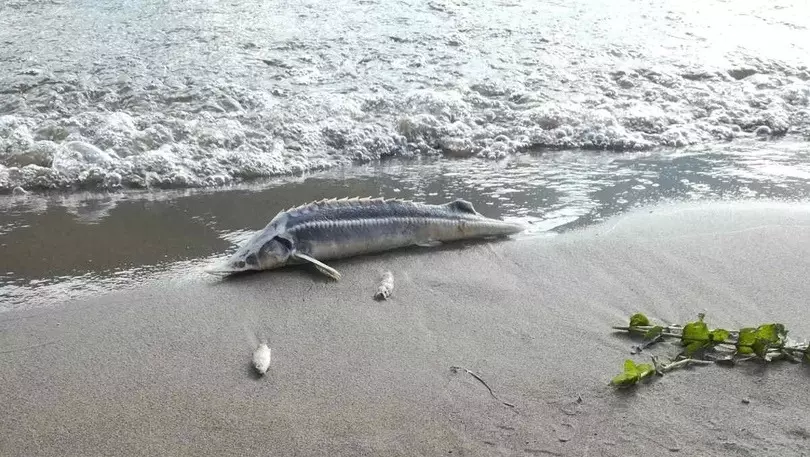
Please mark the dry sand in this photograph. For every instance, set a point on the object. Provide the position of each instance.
(165, 369)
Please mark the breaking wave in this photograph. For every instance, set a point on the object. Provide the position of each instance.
(192, 100)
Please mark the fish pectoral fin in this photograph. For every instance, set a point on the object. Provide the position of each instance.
(328, 271)
(322, 267)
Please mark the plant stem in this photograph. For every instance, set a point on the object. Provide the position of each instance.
(645, 329)
(666, 332)
(682, 363)
(792, 349)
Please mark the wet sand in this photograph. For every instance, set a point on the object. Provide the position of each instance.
(163, 369)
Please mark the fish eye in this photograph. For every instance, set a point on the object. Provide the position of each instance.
(239, 264)
(251, 260)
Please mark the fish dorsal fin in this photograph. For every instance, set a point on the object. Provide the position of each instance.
(462, 206)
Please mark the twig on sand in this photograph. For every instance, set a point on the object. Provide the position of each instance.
(455, 370)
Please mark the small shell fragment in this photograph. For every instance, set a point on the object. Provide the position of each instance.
(386, 286)
(261, 358)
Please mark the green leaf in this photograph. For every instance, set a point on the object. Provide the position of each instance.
(695, 336)
(644, 370)
(625, 379)
(653, 333)
(771, 332)
(693, 347)
(719, 335)
(629, 366)
(746, 340)
(633, 373)
(760, 347)
(638, 319)
(696, 331)
(758, 341)
(629, 377)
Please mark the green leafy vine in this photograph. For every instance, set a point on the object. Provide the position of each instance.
(701, 345)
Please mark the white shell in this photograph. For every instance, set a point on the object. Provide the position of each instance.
(261, 358)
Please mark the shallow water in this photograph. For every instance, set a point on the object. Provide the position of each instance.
(196, 93)
(62, 246)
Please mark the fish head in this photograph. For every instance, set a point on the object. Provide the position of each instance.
(265, 251)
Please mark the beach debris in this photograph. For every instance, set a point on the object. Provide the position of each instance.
(261, 358)
(455, 369)
(701, 345)
(334, 229)
(386, 286)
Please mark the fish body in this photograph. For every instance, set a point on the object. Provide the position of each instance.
(261, 358)
(334, 229)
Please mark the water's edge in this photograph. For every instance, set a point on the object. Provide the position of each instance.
(63, 245)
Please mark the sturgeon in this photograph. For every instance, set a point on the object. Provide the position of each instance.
(339, 228)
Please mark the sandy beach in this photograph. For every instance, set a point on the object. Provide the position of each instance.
(164, 369)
